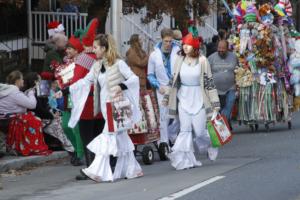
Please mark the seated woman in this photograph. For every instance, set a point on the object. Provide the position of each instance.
(25, 130)
(51, 120)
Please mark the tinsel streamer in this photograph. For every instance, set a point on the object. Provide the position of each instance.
(261, 103)
(255, 100)
(228, 9)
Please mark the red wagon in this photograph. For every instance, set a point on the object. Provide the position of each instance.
(146, 132)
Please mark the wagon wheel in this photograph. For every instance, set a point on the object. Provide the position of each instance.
(163, 151)
(267, 128)
(252, 128)
(148, 155)
(256, 127)
(290, 125)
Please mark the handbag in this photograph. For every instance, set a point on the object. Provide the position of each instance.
(219, 130)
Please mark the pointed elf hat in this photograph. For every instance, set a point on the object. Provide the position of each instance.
(192, 38)
(88, 35)
(75, 43)
(189, 39)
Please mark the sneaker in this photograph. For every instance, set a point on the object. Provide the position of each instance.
(212, 153)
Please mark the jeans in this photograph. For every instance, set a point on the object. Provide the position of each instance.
(227, 102)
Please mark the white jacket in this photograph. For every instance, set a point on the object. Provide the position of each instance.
(156, 66)
(12, 100)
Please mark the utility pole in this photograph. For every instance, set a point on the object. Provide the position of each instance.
(29, 37)
(116, 15)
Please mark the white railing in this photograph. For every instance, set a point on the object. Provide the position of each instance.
(130, 27)
(209, 29)
(149, 33)
(71, 22)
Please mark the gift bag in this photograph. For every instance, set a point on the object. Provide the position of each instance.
(43, 88)
(219, 131)
(119, 115)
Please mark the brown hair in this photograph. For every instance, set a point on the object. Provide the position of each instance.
(30, 80)
(13, 77)
(195, 53)
(136, 45)
(166, 32)
(107, 41)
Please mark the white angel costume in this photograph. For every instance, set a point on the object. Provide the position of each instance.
(192, 117)
(117, 144)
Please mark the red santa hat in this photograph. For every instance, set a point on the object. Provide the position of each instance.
(75, 43)
(190, 40)
(55, 27)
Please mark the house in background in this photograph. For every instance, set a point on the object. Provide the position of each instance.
(24, 30)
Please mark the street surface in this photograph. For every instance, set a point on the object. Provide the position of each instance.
(254, 166)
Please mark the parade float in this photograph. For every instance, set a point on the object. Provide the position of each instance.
(263, 38)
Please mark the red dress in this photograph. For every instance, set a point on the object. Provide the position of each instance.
(25, 135)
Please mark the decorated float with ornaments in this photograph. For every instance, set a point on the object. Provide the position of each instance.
(263, 38)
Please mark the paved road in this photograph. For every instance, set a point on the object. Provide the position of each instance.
(259, 166)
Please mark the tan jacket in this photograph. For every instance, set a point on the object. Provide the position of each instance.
(210, 94)
(138, 65)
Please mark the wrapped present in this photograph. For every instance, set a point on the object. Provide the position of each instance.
(219, 131)
(150, 107)
(150, 114)
(119, 115)
(64, 74)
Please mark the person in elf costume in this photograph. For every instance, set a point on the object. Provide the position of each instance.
(193, 96)
(89, 126)
(73, 50)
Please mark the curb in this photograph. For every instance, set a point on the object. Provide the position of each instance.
(15, 163)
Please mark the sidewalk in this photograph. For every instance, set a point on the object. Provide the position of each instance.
(18, 162)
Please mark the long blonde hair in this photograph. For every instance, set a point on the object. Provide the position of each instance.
(107, 41)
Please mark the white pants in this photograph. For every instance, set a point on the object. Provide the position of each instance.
(182, 155)
(166, 132)
(117, 144)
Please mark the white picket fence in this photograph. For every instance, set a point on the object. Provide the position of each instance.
(130, 24)
(38, 33)
(71, 22)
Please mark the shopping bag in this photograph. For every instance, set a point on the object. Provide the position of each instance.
(219, 130)
(118, 116)
(43, 88)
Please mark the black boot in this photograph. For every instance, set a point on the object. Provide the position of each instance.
(113, 162)
(75, 160)
(81, 176)
(89, 157)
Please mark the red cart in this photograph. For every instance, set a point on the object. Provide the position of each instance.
(147, 133)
